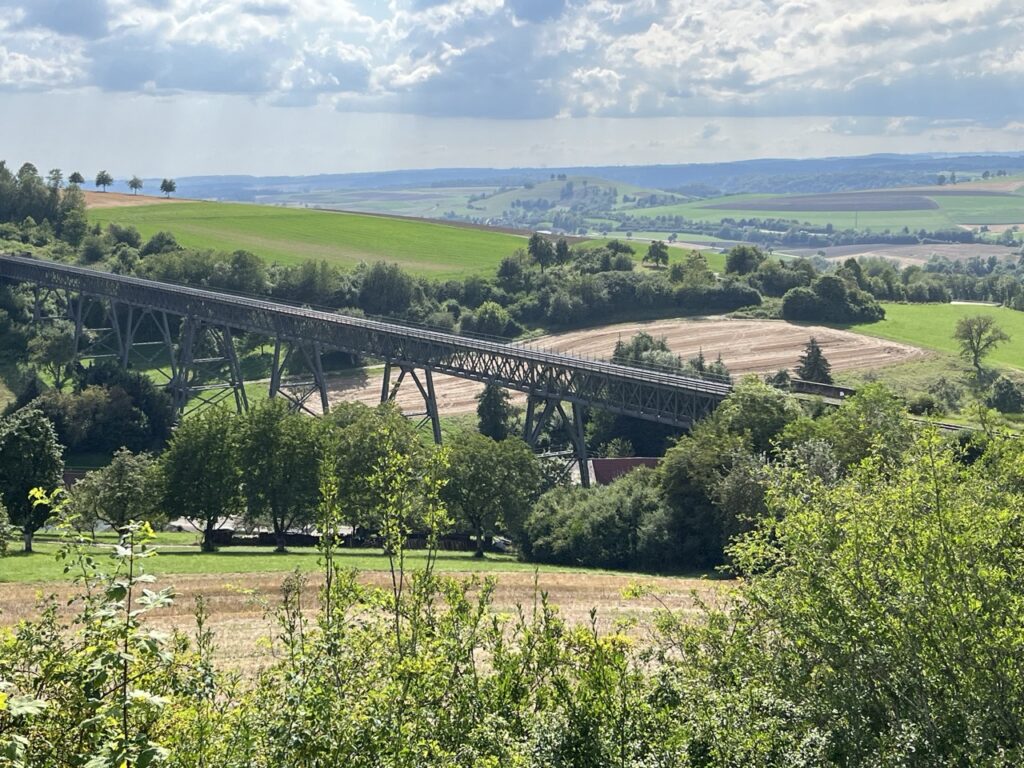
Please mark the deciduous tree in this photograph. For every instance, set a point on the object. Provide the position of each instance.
(104, 180)
(135, 184)
(977, 336)
(30, 457)
(200, 473)
(491, 484)
(494, 412)
(280, 452)
(52, 350)
(168, 187)
(126, 490)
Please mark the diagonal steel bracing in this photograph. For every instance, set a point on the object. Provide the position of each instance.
(546, 377)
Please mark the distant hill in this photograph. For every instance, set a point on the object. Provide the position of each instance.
(771, 176)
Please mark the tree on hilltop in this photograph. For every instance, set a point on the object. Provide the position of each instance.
(135, 184)
(76, 178)
(168, 187)
(104, 179)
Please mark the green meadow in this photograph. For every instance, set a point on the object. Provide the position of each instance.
(952, 211)
(931, 326)
(179, 553)
(291, 236)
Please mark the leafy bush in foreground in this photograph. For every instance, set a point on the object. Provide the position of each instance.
(879, 622)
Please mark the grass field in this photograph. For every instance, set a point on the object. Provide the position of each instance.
(951, 211)
(178, 553)
(290, 236)
(931, 326)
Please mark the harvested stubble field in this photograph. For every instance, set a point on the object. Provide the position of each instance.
(746, 346)
(239, 604)
(905, 255)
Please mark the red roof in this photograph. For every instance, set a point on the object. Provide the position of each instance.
(606, 470)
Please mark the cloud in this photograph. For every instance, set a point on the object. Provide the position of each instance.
(708, 59)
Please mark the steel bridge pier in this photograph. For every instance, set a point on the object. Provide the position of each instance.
(191, 333)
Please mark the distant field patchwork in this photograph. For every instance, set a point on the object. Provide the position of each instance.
(930, 209)
(290, 236)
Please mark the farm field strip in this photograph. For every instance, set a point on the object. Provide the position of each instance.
(746, 346)
(238, 602)
(290, 236)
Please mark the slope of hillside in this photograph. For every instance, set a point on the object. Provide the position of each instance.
(290, 236)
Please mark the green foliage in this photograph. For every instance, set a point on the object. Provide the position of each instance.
(30, 457)
(494, 413)
(813, 365)
(279, 453)
(743, 259)
(978, 336)
(830, 299)
(104, 179)
(365, 437)
(125, 490)
(201, 477)
(867, 604)
(620, 525)
(52, 350)
(1006, 396)
(491, 485)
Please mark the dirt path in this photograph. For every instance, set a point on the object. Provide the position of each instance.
(746, 346)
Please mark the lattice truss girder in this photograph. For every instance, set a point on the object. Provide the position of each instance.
(670, 399)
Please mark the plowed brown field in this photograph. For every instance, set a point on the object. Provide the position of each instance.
(746, 346)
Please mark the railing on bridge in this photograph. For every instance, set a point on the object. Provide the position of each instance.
(549, 379)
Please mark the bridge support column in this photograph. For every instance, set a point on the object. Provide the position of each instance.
(207, 368)
(535, 423)
(425, 385)
(298, 390)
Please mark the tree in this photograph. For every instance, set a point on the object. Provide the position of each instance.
(540, 250)
(359, 443)
(813, 366)
(76, 178)
(657, 254)
(494, 412)
(743, 259)
(126, 490)
(104, 179)
(866, 602)
(201, 479)
(168, 187)
(491, 484)
(52, 349)
(562, 254)
(135, 184)
(280, 451)
(30, 457)
(978, 335)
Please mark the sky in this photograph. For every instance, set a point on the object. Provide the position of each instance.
(264, 87)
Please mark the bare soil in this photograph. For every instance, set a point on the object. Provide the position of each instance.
(238, 602)
(746, 346)
(123, 200)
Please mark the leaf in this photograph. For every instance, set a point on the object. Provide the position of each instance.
(25, 706)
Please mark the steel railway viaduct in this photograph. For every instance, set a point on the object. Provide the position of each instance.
(191, 333)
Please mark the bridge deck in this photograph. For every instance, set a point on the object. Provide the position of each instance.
(652, 395)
